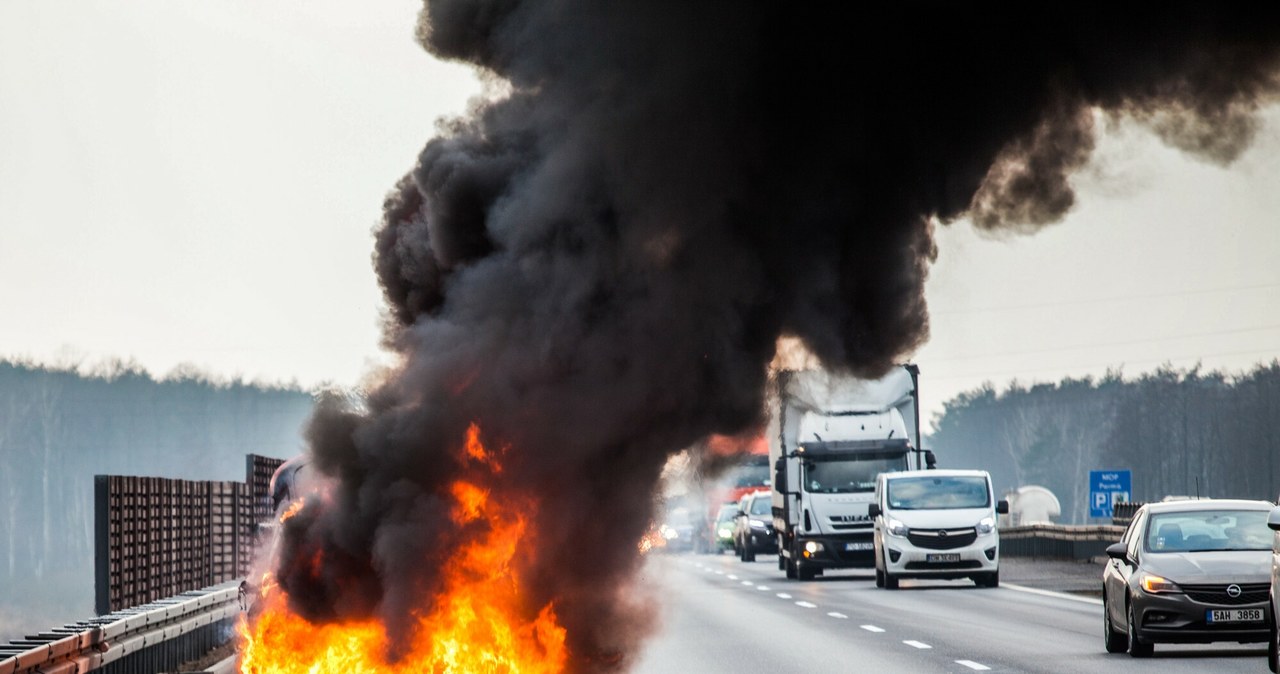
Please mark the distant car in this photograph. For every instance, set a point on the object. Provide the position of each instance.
(1273, 640)
(677, 530)
(1194, 571)
(753, 526)
(722, 527)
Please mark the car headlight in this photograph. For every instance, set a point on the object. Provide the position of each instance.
(726, 532)
(1154, 584)
(756, 524)
(986, 525)
(894, 527)
(668, 532)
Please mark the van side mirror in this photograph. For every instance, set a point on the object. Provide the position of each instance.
(1002, 507)
(1273, 520)
(873, 510)
(1118, 551)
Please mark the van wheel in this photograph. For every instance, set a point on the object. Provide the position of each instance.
(804, 571)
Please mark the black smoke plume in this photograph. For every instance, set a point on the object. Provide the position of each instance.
(596, 267)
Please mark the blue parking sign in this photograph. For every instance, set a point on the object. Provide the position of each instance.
(1107, 488)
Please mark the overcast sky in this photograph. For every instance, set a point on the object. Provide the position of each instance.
(196, 182)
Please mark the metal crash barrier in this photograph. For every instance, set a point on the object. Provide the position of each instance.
(154, 637)
(1058, 541)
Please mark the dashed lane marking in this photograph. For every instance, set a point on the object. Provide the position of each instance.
(732, 577)
(833, 614)
(719, 573)
(762, 588)
(872, 628)
(747, 582)
(917, 644)
(783, 595)
(976, 666)
(805, 604)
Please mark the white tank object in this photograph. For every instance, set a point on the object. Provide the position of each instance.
(1032, 504)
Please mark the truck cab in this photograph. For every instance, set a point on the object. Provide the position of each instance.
(829, 439)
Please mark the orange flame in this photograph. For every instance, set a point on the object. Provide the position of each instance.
(477, 623)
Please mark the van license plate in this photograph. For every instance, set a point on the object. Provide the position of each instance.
(947, 557)
(1239, 615)
(851, 547)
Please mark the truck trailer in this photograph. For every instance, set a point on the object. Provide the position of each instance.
(830, 436)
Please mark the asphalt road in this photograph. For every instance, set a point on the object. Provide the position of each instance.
(723, 615)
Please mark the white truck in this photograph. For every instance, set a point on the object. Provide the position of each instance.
(829, 437)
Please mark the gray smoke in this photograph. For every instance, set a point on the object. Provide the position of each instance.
(597, 267)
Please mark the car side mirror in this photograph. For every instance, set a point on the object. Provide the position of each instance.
(1118, 551)
(1002, 507)
(741, 513)
(873, 510)
(1273, 520)
(930, 461)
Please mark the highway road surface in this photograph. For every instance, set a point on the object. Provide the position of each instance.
(724, 615)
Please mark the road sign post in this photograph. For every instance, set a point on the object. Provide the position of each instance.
(1107, 488)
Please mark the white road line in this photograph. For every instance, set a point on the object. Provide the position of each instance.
(917, 644)
(762, 588)
(719, 573)
(976, 666)
(747, 582)
(783, 595)
(732, 577)
(833, 614)
(872, 628)
(1051, 593)
(806, 604)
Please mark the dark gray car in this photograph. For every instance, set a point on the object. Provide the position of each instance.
(1189, 572)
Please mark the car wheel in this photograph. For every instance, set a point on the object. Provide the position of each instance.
(890, 581)
(879, 578)
(748, 552)
(1137, 647)
(1115, 641)
(1273, 646)
(992, 579)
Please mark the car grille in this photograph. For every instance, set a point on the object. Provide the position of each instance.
(1250, 593)
(935, 566)
(942, 539)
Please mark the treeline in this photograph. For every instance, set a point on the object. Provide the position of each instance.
(1181, 432)
(61, 426)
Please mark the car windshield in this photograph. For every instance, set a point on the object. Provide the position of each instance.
(848, 474)
(938, 492)
(1208, 530)
(761, 506)
(751, 475)
(726, 513)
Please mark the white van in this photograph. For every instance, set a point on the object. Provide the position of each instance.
(936, 524)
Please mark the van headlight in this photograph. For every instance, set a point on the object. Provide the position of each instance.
(986, 526)
(894, 527)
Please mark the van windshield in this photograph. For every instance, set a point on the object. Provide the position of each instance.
(938, 492)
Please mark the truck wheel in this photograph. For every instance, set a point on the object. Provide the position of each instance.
(890, 581)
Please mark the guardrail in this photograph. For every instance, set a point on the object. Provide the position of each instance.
(145, 639)
(1059, 541)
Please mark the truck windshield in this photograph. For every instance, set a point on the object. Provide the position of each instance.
(938, 492)
(849, 474)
